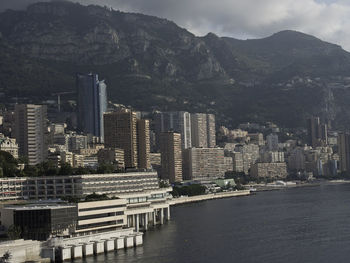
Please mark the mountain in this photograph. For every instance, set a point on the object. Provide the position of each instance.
(151, 63)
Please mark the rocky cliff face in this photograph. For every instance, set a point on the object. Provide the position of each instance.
(141, 57)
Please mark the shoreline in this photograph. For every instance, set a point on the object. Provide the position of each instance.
(200, 198)
(262, 188)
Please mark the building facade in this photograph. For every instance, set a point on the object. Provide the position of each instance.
(179, 122)
(121, 132)
(31, 132)
(144, 148)
(112, 156)
(269, 170)
(171, 156)
(53, 187)
(204, 164)
(91, 103)
(203, 130)
(317, 132)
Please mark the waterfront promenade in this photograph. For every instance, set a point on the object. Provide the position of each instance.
(199, 198)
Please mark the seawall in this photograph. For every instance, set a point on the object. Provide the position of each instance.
(199, 198)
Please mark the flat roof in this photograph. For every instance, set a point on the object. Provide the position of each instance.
(38, 207)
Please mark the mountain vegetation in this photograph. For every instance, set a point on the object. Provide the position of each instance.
(153, 64)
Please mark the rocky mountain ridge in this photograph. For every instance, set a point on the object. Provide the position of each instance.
(151, 63)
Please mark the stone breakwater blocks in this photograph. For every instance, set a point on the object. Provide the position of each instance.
(99, 247)
(119, 242)
(128, 241)
(138, 240)
(66, 253)
(88, 249)
(109, 245)
(77, 251)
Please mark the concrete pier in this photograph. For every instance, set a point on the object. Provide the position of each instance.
(88, 249)
(199, 198)
(119, 243)
(99, 247)
(138, 239)
(109, 245)
(77, 251)
(129, 241)
(66, 253)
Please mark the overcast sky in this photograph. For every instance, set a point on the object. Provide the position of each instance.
(326, 19)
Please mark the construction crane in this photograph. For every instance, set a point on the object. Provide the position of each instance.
(59, 94)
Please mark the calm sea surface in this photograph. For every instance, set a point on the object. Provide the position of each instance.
(310, 224)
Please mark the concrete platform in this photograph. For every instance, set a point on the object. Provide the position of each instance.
(138, 239)
(109, 245)
(77, 251)
(119, 243)
(88, 249)
(128, 241)
(66, 253)
(99, 247)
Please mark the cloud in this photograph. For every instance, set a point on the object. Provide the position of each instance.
(326, 19)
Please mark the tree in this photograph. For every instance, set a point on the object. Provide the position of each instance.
(105, 168)
(14, 232)
(8, 164)
(47, 168)
(30, 171)
(66, 169)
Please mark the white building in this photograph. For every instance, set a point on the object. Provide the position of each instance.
(9, 145)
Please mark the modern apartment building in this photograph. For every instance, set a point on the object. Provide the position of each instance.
(204, 163)
(203, 130)
(211, 130)
(121, 132)
(344, 151)
(269, 170)
(31, 132)
(179, 122)
(112, 156)
(143, 144)
(171, 156)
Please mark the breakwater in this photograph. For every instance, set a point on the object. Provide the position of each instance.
(199, 198)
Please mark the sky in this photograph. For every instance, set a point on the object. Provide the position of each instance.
(325, 19)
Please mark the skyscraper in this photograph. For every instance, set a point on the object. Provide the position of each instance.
(199, 130)
(143, 143)
(317, 132)
(31, 131)
(272, 142)
(92, 103)
(120, 131)
(203, 130)
(344, 151)
(179, 122)
(211, 130)
(171, 156)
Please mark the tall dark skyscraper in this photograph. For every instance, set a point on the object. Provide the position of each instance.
(179, 122)
(317, 132)
(92, 103)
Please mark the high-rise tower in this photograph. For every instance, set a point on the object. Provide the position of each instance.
(31, 131)
(92, 103)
